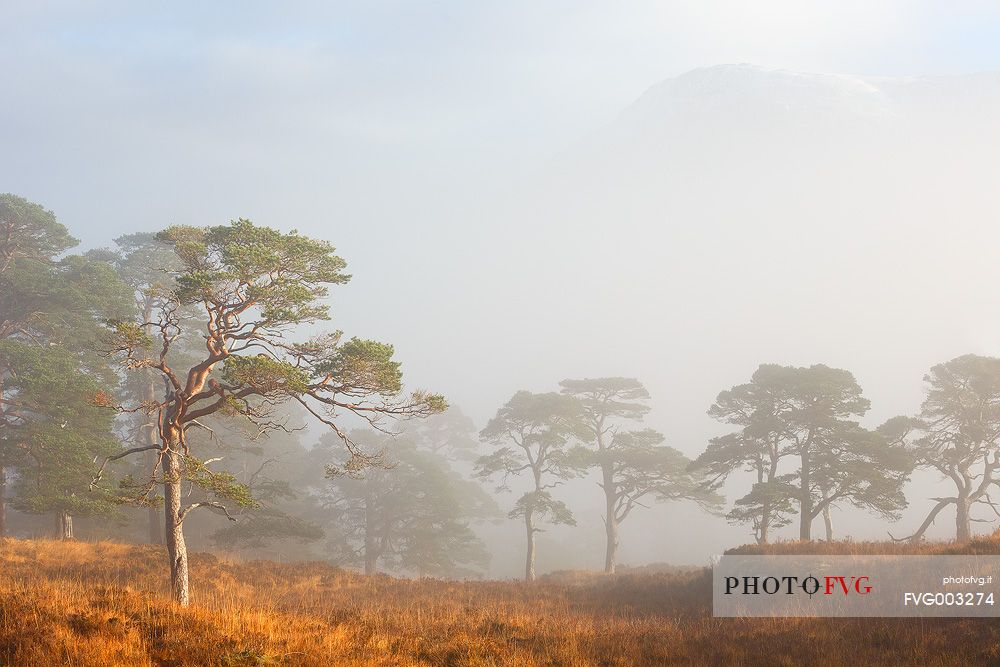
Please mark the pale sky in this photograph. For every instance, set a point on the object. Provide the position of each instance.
(121, 114)
(142, 113)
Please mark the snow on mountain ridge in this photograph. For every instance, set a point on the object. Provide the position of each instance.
(742, 88)
(751, 90)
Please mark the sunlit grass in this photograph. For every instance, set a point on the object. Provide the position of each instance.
(106, 604)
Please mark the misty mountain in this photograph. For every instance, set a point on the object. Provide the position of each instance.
(727, 116)
(746, 95)
(740, 178)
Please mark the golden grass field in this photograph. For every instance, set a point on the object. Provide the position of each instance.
(101, 604)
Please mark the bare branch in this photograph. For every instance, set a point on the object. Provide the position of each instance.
(205, 503)
(120, 455)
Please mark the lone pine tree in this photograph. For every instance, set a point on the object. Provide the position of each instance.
(531, 432)
(634, 464)
(252, 287)
(957, 434)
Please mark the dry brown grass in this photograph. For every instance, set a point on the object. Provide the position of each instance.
(105, 604)
(986, 544)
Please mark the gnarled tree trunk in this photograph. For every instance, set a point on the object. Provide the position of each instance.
(176, 547)
(764, 527)
(827, 518)
(64, 526)
(610, 521)
(805, 501)
(147, 438)
(529, 562)
(963, 523)
(370, 555)
(154, 522)
(828, 523)
(764, 524)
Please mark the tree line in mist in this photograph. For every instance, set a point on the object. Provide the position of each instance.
(168, 373)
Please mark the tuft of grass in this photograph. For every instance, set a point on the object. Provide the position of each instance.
(104, 603)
